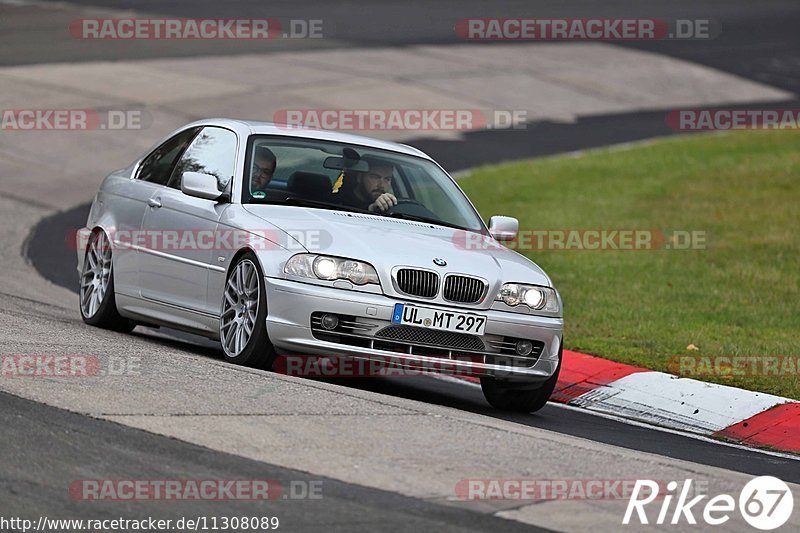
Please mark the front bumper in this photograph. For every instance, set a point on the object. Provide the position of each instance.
(290, 305)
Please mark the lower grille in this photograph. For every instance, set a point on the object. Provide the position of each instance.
(432, 337)
(411, 340)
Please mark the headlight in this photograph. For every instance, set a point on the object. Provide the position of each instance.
(535, 297)
(331, 268)
(325, 267)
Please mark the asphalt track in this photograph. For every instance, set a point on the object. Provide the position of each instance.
(765, 49)
(758, 40)
(59, 447)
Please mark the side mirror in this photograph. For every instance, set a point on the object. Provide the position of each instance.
(503, 228)
(200, 185)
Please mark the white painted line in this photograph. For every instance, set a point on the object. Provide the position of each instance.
(623, 420)
(666, 400)
(663, 429)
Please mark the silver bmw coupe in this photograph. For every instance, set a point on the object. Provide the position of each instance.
(286, 242)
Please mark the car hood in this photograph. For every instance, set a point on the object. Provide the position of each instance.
(387, 242)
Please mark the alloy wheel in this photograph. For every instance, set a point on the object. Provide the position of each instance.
(96, 274)
(239, 308)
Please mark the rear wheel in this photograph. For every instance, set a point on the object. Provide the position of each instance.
(510, 398)
(97, 300)
(243, 323)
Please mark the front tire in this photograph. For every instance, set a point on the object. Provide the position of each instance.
(243, 322)
(508, 398)
(97, 300)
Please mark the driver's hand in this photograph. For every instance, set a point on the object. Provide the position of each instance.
(384, 202)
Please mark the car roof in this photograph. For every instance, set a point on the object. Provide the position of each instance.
(254, 127)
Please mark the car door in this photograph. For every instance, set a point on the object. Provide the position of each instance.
(181, 229)
(129, 199)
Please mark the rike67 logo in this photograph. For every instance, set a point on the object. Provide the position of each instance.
(765, 503)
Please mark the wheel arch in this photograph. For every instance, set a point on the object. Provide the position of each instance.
(239, 253)
(82, 238)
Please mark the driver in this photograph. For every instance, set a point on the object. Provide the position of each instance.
(371, 187)
(264, 162)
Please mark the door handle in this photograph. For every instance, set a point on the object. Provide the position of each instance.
(154, 202)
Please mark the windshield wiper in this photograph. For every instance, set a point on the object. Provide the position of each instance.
(304, 202)
(429, 220)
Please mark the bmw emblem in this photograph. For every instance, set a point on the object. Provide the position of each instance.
(439, 262)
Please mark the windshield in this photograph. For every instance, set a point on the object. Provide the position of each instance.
(330, 175)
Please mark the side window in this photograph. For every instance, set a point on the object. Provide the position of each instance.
(213, 152)
(157, 167)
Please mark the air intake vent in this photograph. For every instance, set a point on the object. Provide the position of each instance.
(432, 337)
(463, 289)
(421, 283)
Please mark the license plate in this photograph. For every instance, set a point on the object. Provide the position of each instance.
(425, 317)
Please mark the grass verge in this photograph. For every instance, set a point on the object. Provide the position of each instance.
(726, 310)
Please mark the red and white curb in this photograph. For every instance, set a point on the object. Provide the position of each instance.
(683, 404)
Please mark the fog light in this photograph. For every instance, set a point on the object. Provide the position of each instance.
(524, 347)
(329, 321)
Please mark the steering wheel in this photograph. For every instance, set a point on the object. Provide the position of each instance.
(408, 206)
(406, 201)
